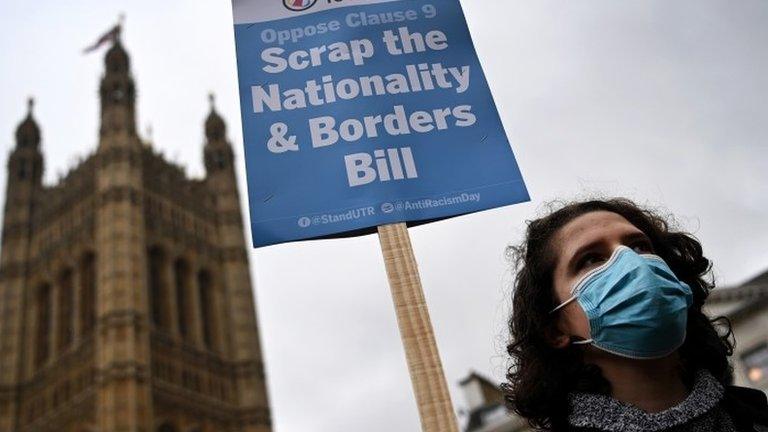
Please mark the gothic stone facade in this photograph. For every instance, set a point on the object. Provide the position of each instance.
(125, 295)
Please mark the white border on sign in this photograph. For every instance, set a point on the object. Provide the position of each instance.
(258, 11)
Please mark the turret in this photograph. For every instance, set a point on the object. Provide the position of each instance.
(118, 94)
(25, 173)
(122, 361)
(244, 343)
(221, 177)
(25, 165)
(218, 151)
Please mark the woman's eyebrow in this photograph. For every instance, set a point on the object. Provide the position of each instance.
(635, 235)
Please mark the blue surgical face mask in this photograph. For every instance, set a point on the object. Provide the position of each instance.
(635, 304)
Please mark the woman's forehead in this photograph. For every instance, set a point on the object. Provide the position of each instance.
(591, 227)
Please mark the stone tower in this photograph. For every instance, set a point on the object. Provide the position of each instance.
(125, 295)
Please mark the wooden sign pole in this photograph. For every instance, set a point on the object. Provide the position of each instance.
(424, 365)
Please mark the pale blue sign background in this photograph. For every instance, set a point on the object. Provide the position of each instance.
(455, 161)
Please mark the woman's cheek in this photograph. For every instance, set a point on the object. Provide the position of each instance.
(578, 322)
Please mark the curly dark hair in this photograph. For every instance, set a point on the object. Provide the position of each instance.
(540, 376)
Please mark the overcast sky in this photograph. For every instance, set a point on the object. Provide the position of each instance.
(660, 101)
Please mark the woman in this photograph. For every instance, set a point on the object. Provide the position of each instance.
(608, 332)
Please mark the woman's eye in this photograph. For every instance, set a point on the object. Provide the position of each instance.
(590, 260)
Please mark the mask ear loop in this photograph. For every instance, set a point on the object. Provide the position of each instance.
(564, 304)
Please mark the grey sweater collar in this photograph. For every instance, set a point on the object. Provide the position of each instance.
(607, 414)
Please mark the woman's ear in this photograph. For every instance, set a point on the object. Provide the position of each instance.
(556, 338)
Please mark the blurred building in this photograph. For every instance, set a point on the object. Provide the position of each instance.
(746, 306)
(485, 407)
(125, 295)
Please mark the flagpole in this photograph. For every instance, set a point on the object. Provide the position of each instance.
(424, 365)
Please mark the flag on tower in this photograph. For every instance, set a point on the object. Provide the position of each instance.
(112, 35)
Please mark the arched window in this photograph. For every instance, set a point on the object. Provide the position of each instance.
(88, 293)
(181, 276)
(157, 288)
(66, 302)
(207, 309)
(43, 309)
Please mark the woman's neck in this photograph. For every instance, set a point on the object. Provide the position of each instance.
(650, 385)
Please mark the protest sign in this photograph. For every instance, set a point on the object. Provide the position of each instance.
(370, 113)
(360, 113)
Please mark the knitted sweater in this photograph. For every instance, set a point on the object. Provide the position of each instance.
(701, 411)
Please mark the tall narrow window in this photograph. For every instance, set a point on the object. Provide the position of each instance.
(43, 305)
(157, 288)
(65, 326)
(88, 294)
(207, 308)
(181, 273)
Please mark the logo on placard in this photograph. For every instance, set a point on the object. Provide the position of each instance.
(305, 222)
(299, 5)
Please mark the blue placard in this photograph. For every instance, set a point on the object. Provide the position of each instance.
(358, 113)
